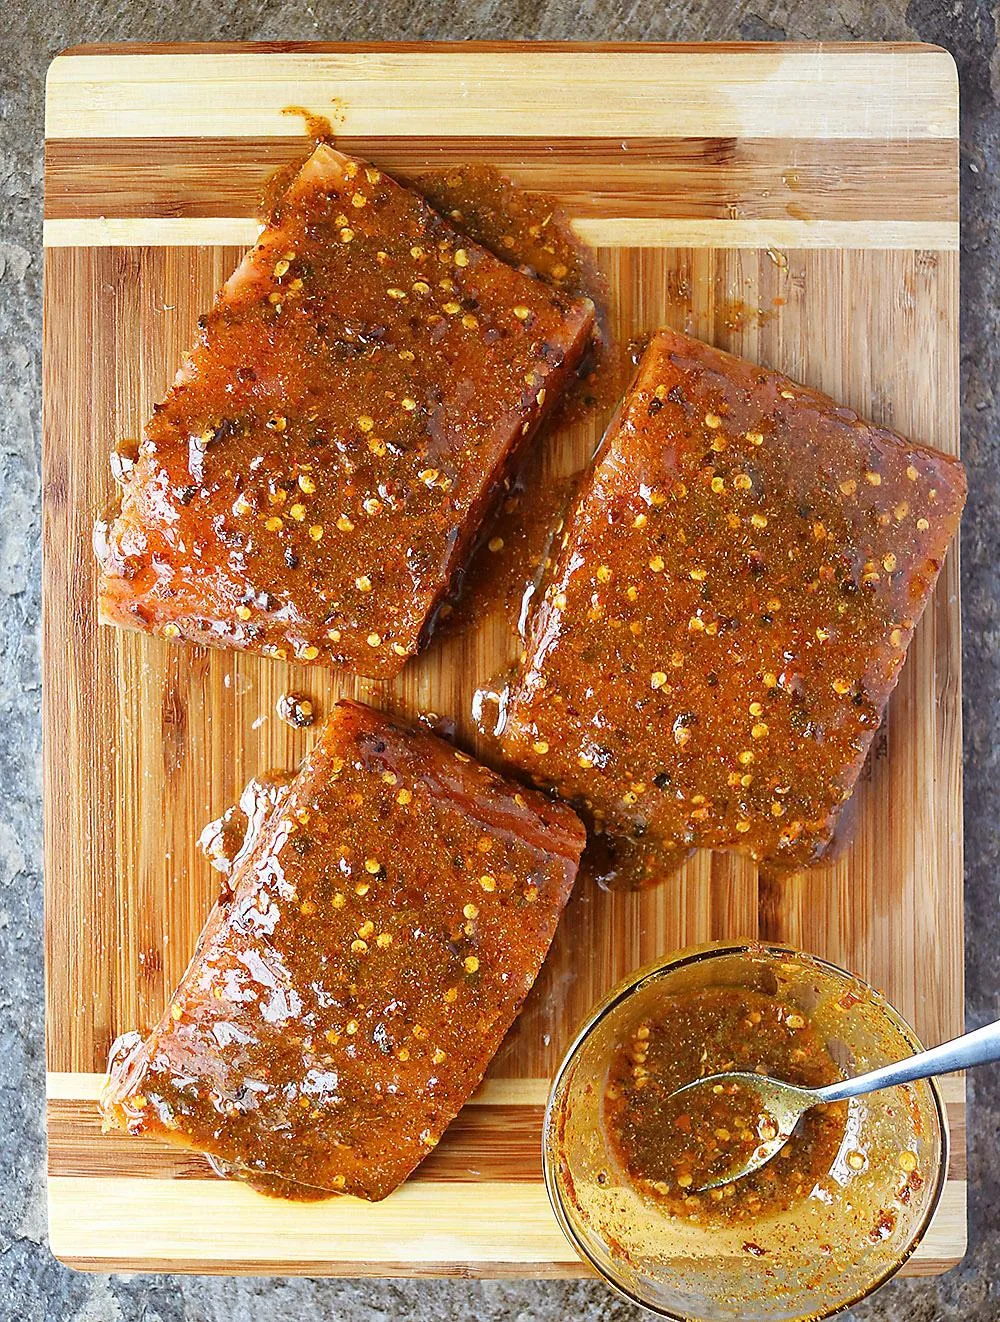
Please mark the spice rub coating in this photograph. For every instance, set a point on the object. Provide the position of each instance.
(736, 590)
(349, 991)
(319, 468)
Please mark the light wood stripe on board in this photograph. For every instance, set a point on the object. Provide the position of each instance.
(833, 92)
(420, 1228)
(714, 178)
(619, 232)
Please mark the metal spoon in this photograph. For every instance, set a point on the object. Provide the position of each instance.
(785, 1103)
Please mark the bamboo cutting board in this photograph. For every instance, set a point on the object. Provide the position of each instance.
(795, 204)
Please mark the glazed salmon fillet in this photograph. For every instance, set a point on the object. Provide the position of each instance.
(738, 584)
(317, 472)
(348, 992)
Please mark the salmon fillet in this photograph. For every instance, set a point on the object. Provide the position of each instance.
(349, 991)
(738, 584)
(318, 470)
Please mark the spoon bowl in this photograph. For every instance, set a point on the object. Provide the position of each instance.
(780, 1107)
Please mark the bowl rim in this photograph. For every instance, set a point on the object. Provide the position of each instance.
(679, 959)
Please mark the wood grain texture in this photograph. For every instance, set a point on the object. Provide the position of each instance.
(795, 206)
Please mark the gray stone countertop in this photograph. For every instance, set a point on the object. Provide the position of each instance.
(33, 1286)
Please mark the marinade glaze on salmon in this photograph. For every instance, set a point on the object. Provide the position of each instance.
(318, 470)
(348, 993)
(736, 590)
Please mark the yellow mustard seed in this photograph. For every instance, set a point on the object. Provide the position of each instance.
(488, 882)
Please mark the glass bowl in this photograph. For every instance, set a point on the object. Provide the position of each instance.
(823, 1253)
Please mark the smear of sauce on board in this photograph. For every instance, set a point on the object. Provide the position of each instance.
(296, 710)
(319, 129)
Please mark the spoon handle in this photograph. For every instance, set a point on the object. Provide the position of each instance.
(978, 1048)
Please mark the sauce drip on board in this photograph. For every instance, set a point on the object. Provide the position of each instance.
(670, 1146)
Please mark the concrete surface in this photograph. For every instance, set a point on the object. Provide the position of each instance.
(32, 1285)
